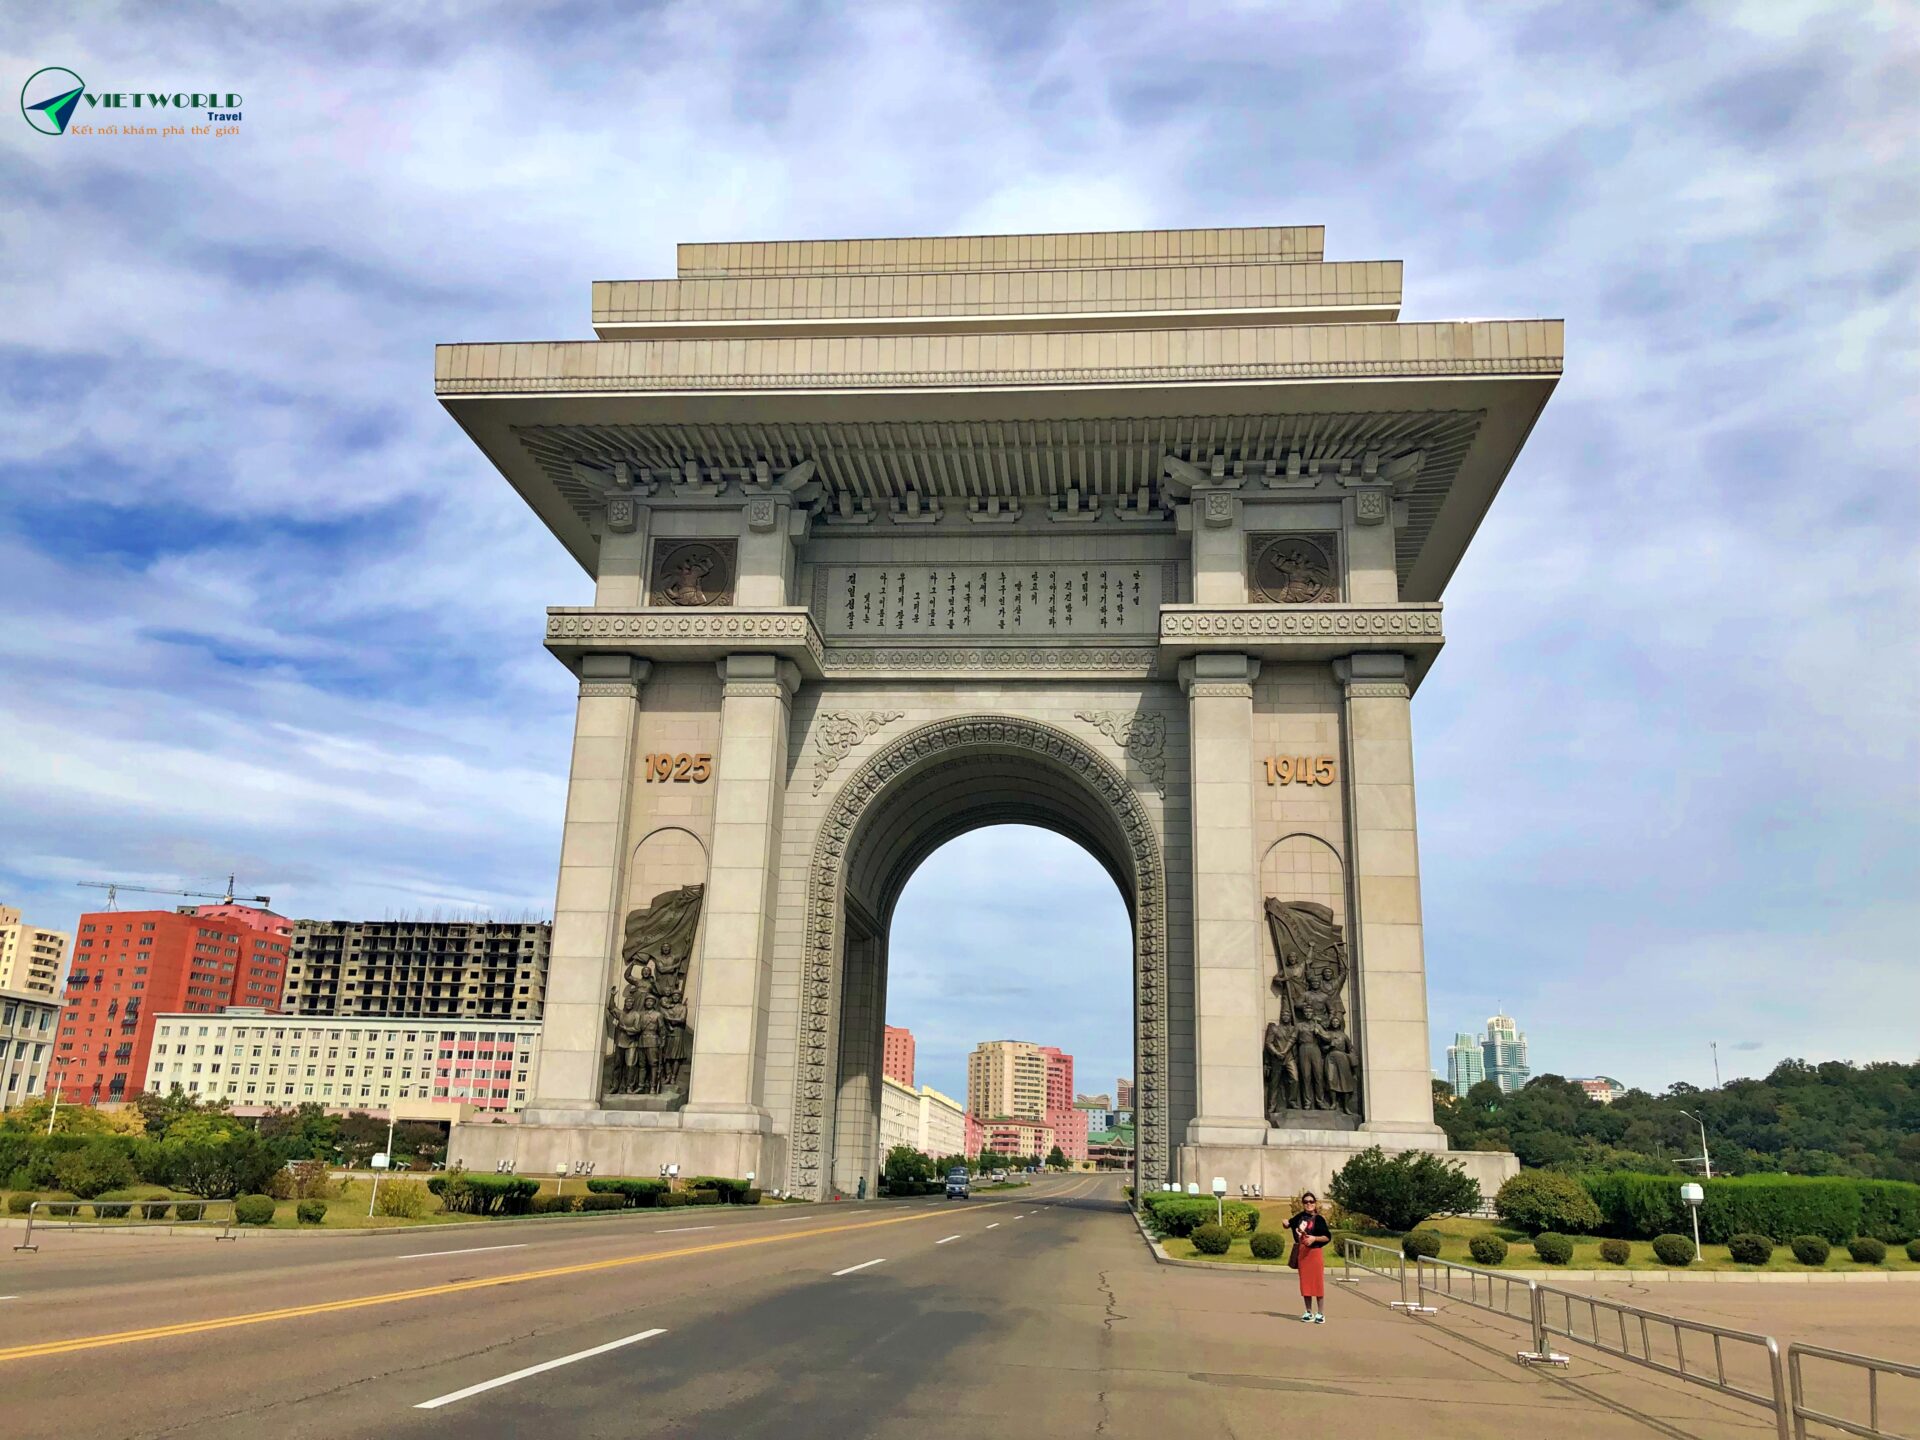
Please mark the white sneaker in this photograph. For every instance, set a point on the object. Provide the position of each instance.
(1319, 1319)
(1306, 1317)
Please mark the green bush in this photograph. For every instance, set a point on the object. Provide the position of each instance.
(20, 1202)
(1777, 1206)
(1403, 1191)
(253, 1210)
(564, 1204)
(639, 1194)
(188, 1210)
(1553, 1248)
(1673, 1249)
(1212, 1239)
(281, 1185)
(311, 1180)
(1537, 1200)
(464, 1193)
(731, 1190)
(1615, 1252)
(155, 1209)
(402, 1199)
(237, 1163)
(601, 1202)
(311, 1212)
(1487, 1249)
(1889, 1210)
(1810, 1249)
(1913, 1250)
(1180, 1215)
(673, 1199)
(117, 1210)
(1747, 1248)
(1866, 1250)
(705, 1197)
(752, 1194)
(1420, 1243)
(94, 1170)
(1268, 1245)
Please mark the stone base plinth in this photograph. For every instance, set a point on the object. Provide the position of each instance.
(1295, 1160)
(618, 1142)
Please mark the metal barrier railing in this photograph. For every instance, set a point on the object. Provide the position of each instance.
(1375, 1260)
(1629, 1333)
(126, 1215)
(1513, 1296)
(1875, 1368)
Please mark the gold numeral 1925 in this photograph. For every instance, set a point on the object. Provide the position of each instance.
(694, 769)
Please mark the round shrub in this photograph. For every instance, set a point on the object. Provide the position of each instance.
(1913, 1251)
(311, 1212)
(1673, 1249)
(1537, 1200)
(1615, 1252)
(1268, 1245)
(189, 1210)
(1211, 1239)
(1810, 1249)
(1552, 1248)
(1866, 1250)
(1487, 1249)
(1749, 1249)
(252, 1210)
(117, 1210)
(155, 1209)
(1418, 1243)
(21, 1202)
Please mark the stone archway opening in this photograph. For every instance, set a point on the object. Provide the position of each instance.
(923, 790)
(1008, 932)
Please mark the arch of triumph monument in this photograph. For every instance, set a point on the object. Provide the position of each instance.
(1139, 537)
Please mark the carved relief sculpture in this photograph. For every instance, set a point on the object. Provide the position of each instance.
(1294, 569)
(652, 1041)
(1142, 734)
(692, 572)
(836, 735)
(1307, 1055)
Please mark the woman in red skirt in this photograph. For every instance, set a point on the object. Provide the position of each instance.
(1310, 1239)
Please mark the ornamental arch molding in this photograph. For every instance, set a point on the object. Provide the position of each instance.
(927, 787)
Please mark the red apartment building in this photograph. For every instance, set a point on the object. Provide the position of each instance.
(130, 965)
(896, 1061)
(1069, 1125)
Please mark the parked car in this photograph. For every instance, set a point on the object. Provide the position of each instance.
(959, 1184)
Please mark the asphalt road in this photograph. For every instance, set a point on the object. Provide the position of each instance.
(1032, 1312)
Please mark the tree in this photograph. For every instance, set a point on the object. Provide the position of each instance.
(305, 1132)
(904, 1164)
(1056, 1159)
(1403, 1191)
(158, 1113)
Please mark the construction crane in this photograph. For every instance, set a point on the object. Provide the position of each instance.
(114, 887)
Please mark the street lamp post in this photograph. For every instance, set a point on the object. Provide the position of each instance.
(59, 1078)
(1706, 1159)
(378, 1164)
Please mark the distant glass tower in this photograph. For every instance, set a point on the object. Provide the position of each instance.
(1505, 1053)
(1465, 1068)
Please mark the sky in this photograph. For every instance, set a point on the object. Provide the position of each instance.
(263, 608)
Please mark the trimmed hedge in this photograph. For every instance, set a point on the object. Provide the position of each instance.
(155, 1209)
(117, 1210)
(1417, 1243)
(1673, 1249)
(1268, 1245)
(1913, 1250)
(311, 1212)
(1487, 1249)
(567, 1204)
(1615, 1252)
(734, 1192)
(20, 1202)
(1866, 1250)
(464, 1193)
(1750, 1249)
(602, 1202)
(1552, 1248)
(1181, 1215)
(1637, 1207)
(253, 1210)
(1810, 1249)
(638, 1194)
(1212, 1239)
(189, 1210)
(674, 1199)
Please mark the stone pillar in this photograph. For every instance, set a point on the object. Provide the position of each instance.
(1227, 957)
(1389, 960)
(587, 916)
(736, 955)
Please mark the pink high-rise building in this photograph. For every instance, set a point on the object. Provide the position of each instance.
(1068, 1124)
(896, 1055)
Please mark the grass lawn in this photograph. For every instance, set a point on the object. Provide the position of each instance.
(1457, 1231)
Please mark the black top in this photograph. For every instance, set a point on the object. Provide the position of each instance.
(1310, 1227)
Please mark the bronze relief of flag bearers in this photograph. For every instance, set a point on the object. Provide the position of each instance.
(652, 1041)
(1307, 1055)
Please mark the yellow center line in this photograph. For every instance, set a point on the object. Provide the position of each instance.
(261, 1317)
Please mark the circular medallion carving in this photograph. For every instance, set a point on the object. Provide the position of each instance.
(1296, 570)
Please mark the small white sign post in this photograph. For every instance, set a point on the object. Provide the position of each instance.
(1695, 1196)
(1220, 1198)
